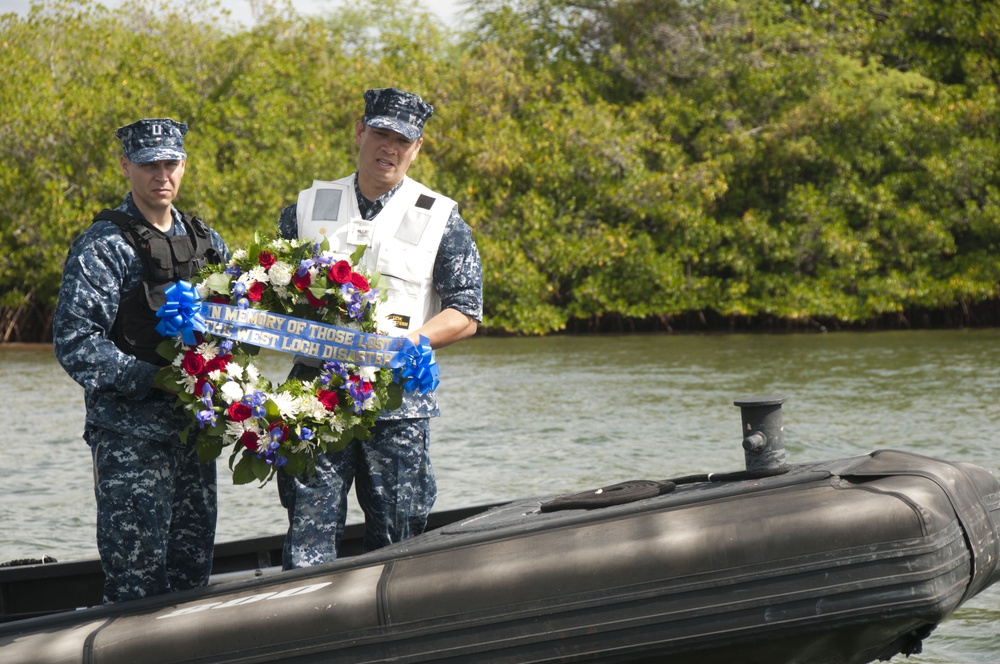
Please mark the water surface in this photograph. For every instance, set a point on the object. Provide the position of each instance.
(540, 416)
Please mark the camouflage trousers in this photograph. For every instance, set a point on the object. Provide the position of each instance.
(394, 484)
(156, 513)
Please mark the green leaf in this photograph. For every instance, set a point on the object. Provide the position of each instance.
(218, 282)
(394, 396)
(167, 349)
(361, 432)
(208, 449)
(244, 473)
(164, 381)
(261, 469)
(358, 253)
(295, 465)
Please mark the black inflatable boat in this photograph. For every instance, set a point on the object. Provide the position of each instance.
(850, 560)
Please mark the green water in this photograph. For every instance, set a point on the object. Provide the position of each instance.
(531, 417)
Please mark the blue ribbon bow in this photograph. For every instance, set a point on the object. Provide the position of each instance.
(182, 312)
(415, 366)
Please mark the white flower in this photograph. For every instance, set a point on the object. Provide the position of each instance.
(281, 274)
(237, 256)
(231, 391)
(278, 245)
(208, 350)
(234, 370)
(337, 426)
(232, 433)
(253, 373)
(312, 408)
(188, 381)
(258, 273)
(235, 430)
(287, 404)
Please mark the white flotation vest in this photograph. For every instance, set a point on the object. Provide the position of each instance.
(402, 242)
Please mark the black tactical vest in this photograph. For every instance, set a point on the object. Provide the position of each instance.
(165, 259)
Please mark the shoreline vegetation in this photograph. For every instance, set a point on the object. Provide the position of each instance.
(626, 166)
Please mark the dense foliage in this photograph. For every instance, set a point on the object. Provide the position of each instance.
(633, 161)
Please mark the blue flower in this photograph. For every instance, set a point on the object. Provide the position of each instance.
(256, 400)
(206, 418)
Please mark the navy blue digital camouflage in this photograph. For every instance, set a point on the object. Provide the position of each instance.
(156, 515)
(153, 139)
(394, 482)
(133, 429)
(402, 112)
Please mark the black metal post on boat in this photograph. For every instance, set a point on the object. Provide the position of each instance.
(763, 432)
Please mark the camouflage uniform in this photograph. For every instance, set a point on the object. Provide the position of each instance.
(395, 480)
(156, 503)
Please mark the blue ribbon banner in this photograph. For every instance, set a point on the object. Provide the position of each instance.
(185, 313)
(321, 341)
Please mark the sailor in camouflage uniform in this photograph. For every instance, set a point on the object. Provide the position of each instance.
(156, 503)
(417, 239)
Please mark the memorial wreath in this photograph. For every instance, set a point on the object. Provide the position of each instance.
(295, 296)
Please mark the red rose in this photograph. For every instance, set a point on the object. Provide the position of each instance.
(340, 272)
(249, 440)
(219, 299)
(193, 363)
(239, 411)
(217, 363)
(328, 398)
(256, 290)
(266, 259)
(302, 282)
(360, 282)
